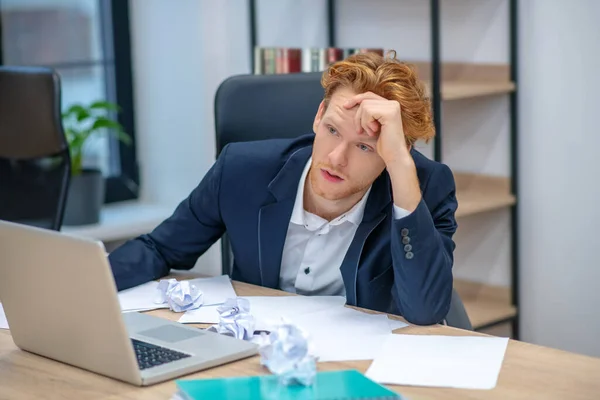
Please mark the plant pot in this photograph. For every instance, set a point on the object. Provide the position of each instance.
(85, 198)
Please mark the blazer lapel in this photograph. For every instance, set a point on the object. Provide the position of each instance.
(375, 212)
(274, 218)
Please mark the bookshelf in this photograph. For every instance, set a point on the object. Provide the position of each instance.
(461, 81)
(486, 305)
(479, 193)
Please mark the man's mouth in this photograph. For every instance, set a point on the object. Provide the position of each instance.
(330, 177)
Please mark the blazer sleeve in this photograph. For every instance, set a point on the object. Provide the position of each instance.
(422, 252)
(177, 242)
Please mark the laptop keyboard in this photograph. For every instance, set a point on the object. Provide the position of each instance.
(150, 355)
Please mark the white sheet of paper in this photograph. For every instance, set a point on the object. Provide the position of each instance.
(343, 333)
(202, 315)
(142, 309)
(269, 309)
(344, 319)
(215, 290)
(348, 347)
(141, 298)
(3, 321)
(466, 362)
(395, 324)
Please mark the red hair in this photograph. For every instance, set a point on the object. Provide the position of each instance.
(388, 78)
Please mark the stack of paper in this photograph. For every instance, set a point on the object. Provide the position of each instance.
(3, 321)
(143, 297)
(468, 362)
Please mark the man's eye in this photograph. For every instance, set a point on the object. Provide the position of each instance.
(332, 130)
(364, 147)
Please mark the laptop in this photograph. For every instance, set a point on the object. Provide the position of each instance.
(61, 302)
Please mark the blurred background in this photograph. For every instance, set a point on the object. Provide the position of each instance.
(517, 91)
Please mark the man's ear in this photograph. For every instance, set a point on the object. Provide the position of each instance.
(319, 116)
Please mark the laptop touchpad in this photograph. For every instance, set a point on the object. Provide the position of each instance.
(170, 333)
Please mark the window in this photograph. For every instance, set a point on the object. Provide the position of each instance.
(88, 43)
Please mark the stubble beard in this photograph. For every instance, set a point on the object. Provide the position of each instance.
(345, 191)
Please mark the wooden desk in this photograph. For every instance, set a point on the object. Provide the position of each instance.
(528, 372)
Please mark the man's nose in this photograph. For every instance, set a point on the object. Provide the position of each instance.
(338, 156)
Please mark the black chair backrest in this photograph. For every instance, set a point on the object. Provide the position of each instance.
(257, 107)
(34, 155)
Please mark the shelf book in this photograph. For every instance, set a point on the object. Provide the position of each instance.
(284, 60)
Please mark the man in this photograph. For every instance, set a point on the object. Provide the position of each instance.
(350, 210)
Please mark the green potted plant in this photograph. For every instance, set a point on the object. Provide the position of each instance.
(86, 190)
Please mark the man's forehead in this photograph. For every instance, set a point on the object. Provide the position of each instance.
(336, 109)
(343, 119)
(338, 112)
(341, 96)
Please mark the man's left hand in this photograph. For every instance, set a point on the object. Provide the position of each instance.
(380, 117)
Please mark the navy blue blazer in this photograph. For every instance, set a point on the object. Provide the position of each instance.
(401, 266)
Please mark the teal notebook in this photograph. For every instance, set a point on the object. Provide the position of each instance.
(333, 385)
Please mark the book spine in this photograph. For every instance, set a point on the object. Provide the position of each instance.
(294, 60)
(314, 58)
(269, 61)
(322, 59)
(306, 60)
(334, 54)
(280, 60)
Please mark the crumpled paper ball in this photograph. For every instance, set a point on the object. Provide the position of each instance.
(179, 295)
(285, 352)
(235, 319)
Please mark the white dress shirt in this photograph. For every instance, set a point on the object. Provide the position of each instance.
(315, 248)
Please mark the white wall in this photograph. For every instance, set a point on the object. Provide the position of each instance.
(559, 192)
(299, 23)
(182, 52)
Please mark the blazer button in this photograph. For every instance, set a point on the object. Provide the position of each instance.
(404, 232)
(409, 255)
(405, 240)
(407, 248)
(307, 270)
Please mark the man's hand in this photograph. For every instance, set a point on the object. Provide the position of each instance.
(379, 117)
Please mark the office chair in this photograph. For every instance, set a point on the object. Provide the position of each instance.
(35, 164)
(255, 107)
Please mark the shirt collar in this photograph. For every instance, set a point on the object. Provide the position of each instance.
(354, 215)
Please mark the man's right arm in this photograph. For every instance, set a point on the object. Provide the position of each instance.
(178, 241)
